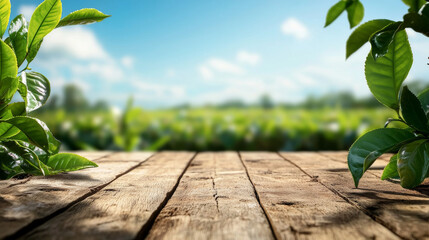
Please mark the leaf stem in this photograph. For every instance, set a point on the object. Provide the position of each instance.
(394, 120)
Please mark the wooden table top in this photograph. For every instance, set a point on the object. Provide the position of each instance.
(213, 195)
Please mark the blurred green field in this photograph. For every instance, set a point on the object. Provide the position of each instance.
(203, 129)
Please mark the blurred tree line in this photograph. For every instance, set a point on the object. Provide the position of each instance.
(74, 100)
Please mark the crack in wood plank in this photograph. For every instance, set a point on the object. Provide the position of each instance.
(214, 200)
(300, 208)
(402, 211)
(270, 221)
(127, 207)
(32, 206)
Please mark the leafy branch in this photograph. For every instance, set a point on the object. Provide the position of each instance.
(386, 67)
(26, 144)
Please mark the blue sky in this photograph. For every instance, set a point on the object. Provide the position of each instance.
(166, 52)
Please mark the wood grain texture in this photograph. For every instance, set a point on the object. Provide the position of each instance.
(405, 212)
(119, 210)
(214, 200)
(301, 208)
(38, 197)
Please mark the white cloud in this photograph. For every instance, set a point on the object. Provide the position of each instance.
(75, 42)
(107, 70)
(295, 28)
(217, 66)
(248, 58)
(205, 72)
(149, 90)
(127, 61)
(250, 89)
(27, 11)
(224, 66)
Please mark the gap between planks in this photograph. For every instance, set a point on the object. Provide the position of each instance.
(300, 208)
(405, 212)
(125, 208)
(27, 206)
(214, 200)
(280, 214)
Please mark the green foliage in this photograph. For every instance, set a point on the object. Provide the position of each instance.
(83, 16)
(391, 169)
(4, 15)
(386, 74)
(64, 162)
(26, 144)
(18, 32)
(386, 68)
(214, 128)
(34, 89)
(44, 19)
(413, 163)
(362, 33)
(372, 145)
(354, 8)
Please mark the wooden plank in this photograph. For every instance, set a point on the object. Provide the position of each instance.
(214, 200)
(301, 208)
(38, 197)
(120, 210)
(403, 211)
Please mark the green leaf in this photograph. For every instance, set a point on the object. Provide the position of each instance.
(31, 163)
(417, 22)
(18, 32)
(4, 16)
(362, 34)
(385, 76)
(373, 144)
(8, 65)
(414, 5)
(17, 109)
(83, 16)
(65, 162)
(8, 87)
(335, 11)
(412, 111)
(413, 163)
(32, 52)
(35, 90)
(381, 40)
(424, 100)
(44, 19)
(9, 164)
(391, 169)
(424, 11)
(37, 133)
(355, 13)
(8, 72)
(7, 41)
(14, 109)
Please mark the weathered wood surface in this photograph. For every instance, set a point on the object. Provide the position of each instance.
(225, 195)
(404, 212)
(214, 200)
(35, 198)
(300, 207)
(121, 209)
